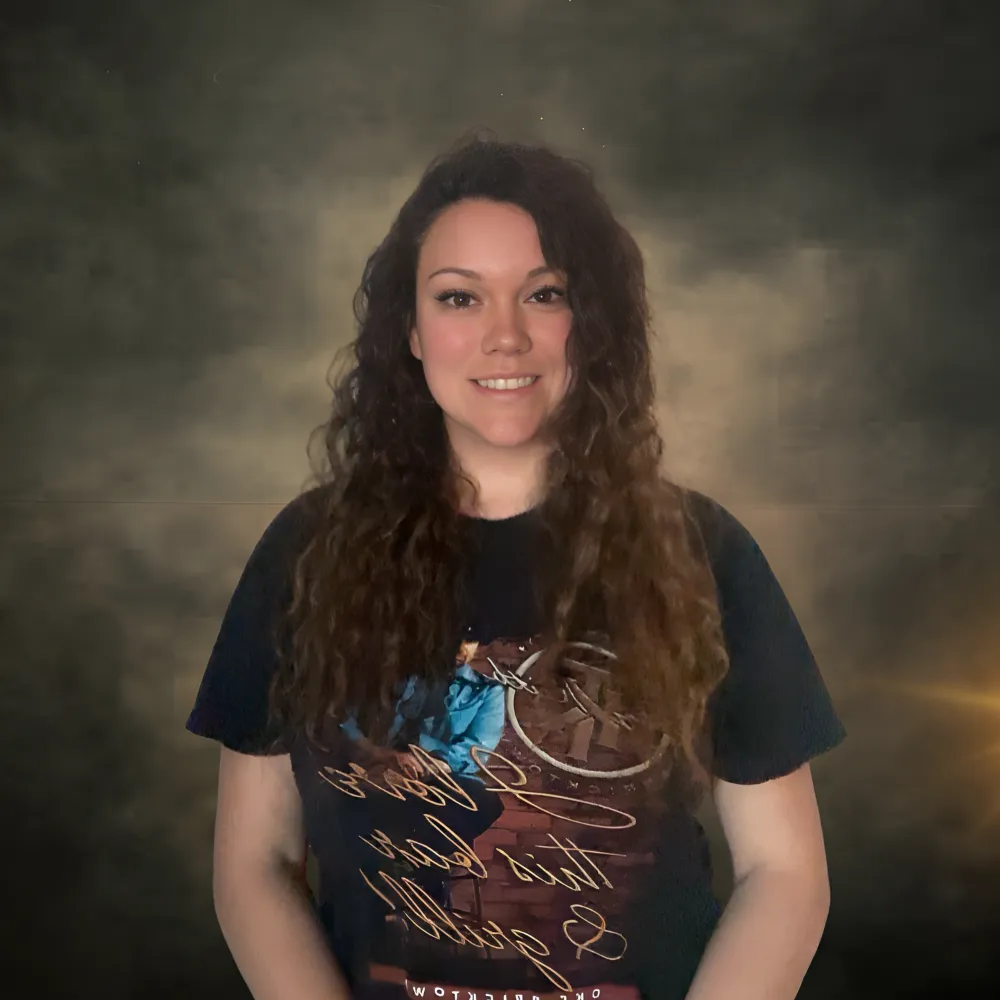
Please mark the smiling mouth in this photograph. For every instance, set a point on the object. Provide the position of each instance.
(506, 383)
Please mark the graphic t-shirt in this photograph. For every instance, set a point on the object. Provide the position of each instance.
(512, 840)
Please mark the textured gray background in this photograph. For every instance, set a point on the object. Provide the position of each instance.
(189, 191)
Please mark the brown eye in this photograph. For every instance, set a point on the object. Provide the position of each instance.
(550, 290)
(455, 294)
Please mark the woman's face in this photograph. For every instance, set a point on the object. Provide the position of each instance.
(491, 325)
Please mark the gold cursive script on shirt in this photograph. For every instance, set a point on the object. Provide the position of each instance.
(437, 787)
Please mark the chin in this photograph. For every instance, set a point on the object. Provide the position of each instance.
(508, 437)
(511, 443)
(469, 431)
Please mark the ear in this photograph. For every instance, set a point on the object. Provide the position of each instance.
(415, 344)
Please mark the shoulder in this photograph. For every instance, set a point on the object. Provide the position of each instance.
(270, 567)
(743, 575)
(291, 529)
(722, 533)
(302, 515)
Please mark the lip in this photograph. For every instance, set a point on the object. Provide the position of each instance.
(513, 393)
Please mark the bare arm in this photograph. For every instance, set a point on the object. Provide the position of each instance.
(772, 925)
(261, 899)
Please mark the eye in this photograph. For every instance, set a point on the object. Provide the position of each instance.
(550, 290)
(546, 295)
(454, 293)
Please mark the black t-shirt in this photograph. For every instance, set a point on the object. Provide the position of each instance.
(531, 858)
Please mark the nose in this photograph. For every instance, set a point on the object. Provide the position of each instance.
(506, 333)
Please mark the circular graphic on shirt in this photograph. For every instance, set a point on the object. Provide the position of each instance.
(576, 722)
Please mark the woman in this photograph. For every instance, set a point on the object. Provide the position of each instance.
(517, 821)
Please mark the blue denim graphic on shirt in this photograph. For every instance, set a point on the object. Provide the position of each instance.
(474, 716)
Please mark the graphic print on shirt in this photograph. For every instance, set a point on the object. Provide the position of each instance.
(505, 835)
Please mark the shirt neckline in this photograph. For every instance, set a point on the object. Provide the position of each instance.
(500, 521)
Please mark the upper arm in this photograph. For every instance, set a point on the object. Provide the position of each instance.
(258, 824)
(487, 727)
(774, 825)
(233, 701)
(772, 713)
(770, 716)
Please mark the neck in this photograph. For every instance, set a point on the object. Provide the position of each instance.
(508, 480)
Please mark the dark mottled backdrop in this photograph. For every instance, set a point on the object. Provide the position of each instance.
(189, 191)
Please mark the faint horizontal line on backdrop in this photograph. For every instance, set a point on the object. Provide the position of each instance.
(78, 501)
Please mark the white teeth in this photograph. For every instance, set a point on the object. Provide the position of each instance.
(506, 383)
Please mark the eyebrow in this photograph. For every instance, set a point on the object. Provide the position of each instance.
(465, 273)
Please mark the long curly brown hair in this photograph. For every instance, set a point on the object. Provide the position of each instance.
(379, 591)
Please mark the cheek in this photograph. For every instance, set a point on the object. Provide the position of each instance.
(552, 341)
(444, 351)
(445, 354)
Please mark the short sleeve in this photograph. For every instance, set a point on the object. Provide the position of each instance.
(233, 700)
(772, 713)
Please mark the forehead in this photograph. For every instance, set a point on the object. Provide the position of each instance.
(482, 236)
